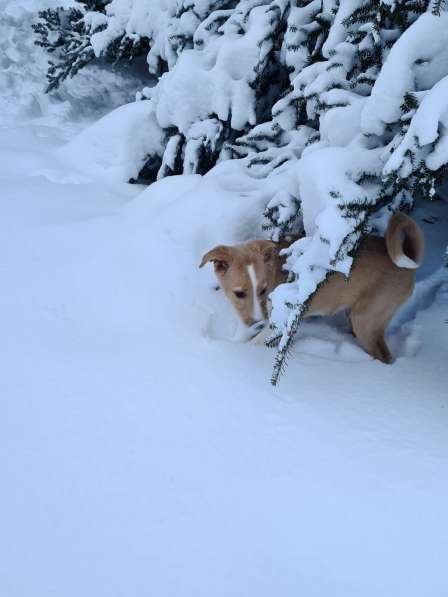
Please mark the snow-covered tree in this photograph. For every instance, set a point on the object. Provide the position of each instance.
(416, 110)
(342, 106)
(66, 35)
(376, 68)
(218, 62)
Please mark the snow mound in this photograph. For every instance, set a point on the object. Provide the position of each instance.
(117, 146)
(174, 222)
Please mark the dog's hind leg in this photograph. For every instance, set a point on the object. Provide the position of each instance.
(371, 338)
(369, 324)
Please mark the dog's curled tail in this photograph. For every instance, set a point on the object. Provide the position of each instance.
(404, 241)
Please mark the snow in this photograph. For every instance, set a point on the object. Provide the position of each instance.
(143, 453)
(118, 145)
(318, 82)
(142, 450)
(23, 67)
(138, 19)
(428, 125)
(215, 80)
(323, 199)
(340, 125)
(294, 47)
(338, 31)
(416, 62)
(212, 68)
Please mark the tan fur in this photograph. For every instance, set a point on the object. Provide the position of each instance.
(376, 288)
(231, 263)
(404, 238)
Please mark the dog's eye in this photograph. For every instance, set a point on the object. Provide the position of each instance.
(263, 292)
(240, 294)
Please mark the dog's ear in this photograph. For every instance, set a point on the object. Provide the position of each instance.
(221, 257)
(269, 250)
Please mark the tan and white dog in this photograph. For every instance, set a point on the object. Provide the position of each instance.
(381, 280)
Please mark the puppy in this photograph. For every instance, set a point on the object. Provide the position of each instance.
(248, 273)
(381, 280)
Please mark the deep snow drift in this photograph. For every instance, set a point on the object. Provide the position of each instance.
(143, 453)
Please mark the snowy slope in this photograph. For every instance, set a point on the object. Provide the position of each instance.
(143, 453)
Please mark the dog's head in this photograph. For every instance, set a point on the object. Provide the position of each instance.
(247, 273)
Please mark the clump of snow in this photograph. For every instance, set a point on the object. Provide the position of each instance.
(327, 180)
(314, 81)
(417, 60)
(427, 127)
(338, 30)
(340, 125)
(216, 80)
(117, 146)
(136, 19)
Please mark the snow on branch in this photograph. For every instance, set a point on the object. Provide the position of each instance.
(416, 61)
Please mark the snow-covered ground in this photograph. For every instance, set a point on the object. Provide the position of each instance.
(143, 453)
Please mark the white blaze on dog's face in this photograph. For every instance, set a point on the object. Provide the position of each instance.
(247, 273)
